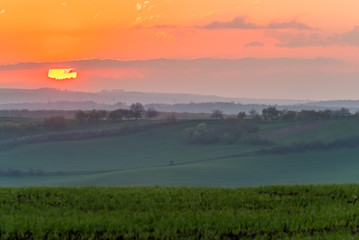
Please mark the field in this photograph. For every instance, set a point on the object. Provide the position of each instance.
(160, 156)
(295, 212)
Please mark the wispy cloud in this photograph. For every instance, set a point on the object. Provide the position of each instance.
(289, 40)
(294, 24)
(139, 6)
(237, 23)
(241, 23)
(165, 26)
(2, 11)
(254, 44)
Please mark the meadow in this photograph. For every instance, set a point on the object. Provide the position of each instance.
(281, 212)
(160, 156)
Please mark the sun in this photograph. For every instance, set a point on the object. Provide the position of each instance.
(62, 73)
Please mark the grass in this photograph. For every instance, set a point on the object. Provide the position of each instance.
(160, 156)
(281, 212)
(147, 149)
(340, 129)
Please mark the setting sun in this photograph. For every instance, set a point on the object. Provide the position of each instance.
(60, 74)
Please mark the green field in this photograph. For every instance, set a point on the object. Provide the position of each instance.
(295, 212)
(160, 156)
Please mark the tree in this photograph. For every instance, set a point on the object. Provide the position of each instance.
(253, 112)
(254, 115)
(55, 123)
(95, 115)
(289, 115)
(241, 115)
(270, 113)
(151, 113)
(81, 116)
(343, 112)
(217, 114)
(137, 110)
(115, 115)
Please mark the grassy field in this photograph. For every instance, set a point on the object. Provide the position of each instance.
(160, 156)
(295, 212)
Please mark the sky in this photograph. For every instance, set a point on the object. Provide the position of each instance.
(126, 30)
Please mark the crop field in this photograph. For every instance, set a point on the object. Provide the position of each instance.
(276, 212)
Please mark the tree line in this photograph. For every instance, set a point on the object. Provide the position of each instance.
(272, 113)
(136, 111)
(59, 122)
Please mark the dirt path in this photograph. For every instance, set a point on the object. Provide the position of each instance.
(295, 129)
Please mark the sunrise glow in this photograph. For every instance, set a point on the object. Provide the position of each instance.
(61, 74)
(295, 46)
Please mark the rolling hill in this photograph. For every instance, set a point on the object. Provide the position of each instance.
(161, 156)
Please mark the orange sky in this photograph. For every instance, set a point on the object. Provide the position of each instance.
(58, 30)
(43, 30)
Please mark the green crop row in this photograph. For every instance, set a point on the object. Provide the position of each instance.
(297, 212)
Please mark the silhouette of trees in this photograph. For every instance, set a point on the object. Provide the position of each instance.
(151, 113)
(90, 116)
(217, 114)
(270, 113)
(241, 116)
(81, 116)
(137, 110)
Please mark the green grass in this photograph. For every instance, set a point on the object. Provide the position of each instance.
(156, 147)
(144, 159)
(340, 129)
(282, 212)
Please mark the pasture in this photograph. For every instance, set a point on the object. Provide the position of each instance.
(161, 156)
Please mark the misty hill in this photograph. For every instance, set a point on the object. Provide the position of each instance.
(354, 104)
(45, 95)
(67, 108)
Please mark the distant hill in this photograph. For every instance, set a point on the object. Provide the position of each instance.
(55, 99)
(335, 103)
(45, 95)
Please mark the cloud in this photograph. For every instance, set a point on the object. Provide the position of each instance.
(294, 24)
(351, 37)
(236, 23)
(64, 4)
(2, 11)
(301, 40)
(241, 23)
(164, 35)
(137, 21)
(139, 6)
(289, 40)
(166, 26)
(254, 44)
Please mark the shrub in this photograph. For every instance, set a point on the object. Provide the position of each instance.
(55, 123)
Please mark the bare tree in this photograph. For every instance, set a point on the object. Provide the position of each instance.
(137, 110)
(241, 115)
(217, 114)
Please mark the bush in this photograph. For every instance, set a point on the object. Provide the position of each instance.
(227, 132)
(200, 134)
(56, 123)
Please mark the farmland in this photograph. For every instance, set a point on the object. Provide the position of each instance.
(155, 153)
(282, 212)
